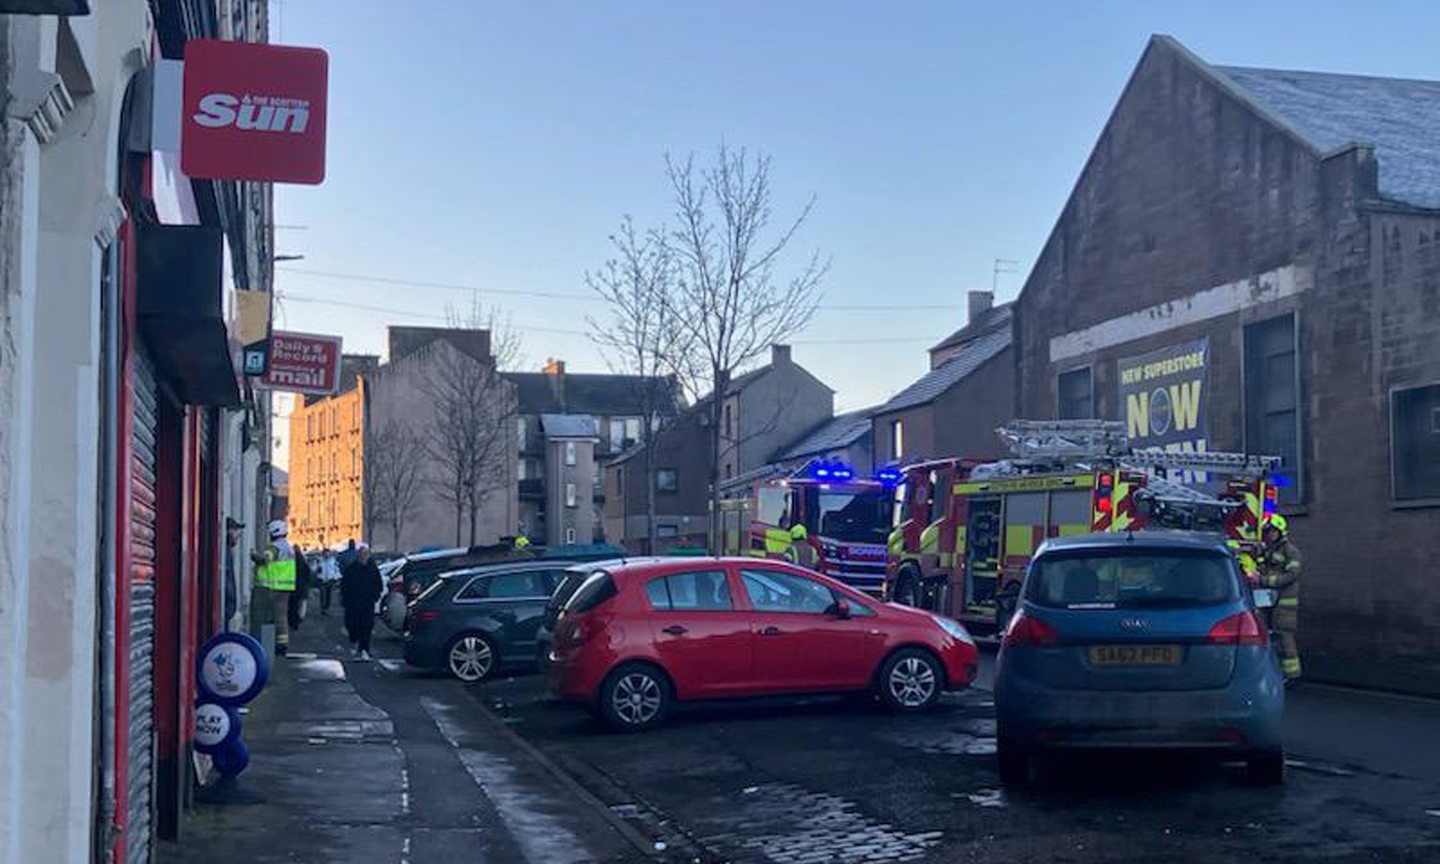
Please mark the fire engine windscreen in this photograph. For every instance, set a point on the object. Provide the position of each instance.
(855, 517)
(1139, 579)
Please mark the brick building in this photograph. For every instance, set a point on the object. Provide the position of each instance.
(1250, 260)
(327, 461)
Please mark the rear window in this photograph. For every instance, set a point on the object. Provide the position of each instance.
(596, 589)
(567, 588)
(1131, 578)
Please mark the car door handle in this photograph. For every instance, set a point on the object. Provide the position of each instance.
(770, 631)
(676, 630)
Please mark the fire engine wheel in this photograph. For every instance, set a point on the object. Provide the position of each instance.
(907, 588)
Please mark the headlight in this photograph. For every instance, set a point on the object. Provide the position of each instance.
(955, 629)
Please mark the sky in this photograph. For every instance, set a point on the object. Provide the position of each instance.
(485, 150)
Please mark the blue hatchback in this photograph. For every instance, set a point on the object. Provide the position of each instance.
(1139, 640)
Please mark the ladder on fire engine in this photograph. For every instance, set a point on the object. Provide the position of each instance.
(1105, 440)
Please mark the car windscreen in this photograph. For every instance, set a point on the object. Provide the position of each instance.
(596, 589)
(1132, 578)
(855, 517)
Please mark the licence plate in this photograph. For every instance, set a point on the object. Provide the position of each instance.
(1135, 655)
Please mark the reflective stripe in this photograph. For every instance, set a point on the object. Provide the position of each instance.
(895, 543)
(280, 575)
(1291, 667)
(945, 559)
(1289, 601)
(777, 541)
(930, 539)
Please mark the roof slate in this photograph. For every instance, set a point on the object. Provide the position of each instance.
(1399, 117)
(951, 372)
(836, 433)
(597, 394)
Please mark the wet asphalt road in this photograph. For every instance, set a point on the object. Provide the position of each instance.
(833, 780)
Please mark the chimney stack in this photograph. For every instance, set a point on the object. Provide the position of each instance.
(979, 303)
(555, 371)
(779, 355)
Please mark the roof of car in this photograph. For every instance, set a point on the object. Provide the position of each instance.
(505, 566)
(1138, 540)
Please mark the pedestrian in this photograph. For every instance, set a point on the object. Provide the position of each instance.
(329, 578)
(347, 555)
(298, 604)
(360, 587)
(275, 582)
(800, 551)
(1280, 571)
(230, 591)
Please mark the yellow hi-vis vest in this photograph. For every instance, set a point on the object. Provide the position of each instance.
(277, 575)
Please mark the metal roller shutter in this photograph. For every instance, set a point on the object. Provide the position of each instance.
(141, 755)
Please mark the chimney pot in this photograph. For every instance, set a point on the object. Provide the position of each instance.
(979, 303)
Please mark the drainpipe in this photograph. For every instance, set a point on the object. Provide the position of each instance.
(109, 583)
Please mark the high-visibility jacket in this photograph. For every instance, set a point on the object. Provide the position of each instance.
(278, 571)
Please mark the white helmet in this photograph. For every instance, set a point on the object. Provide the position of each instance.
(278, 529)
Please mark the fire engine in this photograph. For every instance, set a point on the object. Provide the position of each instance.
(846, 519)
(966, 528)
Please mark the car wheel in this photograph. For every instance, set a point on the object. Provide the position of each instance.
(1266, 768)
(907, 588)
(635, 697)
(911, 680)
(471, 657)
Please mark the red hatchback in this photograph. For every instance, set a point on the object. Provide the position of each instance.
(636, 637)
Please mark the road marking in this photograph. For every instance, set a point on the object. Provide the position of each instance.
(542, 838)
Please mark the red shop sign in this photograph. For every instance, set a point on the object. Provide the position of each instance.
(303, 363)
(253, 112)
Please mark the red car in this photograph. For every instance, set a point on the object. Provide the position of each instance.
(636, 637)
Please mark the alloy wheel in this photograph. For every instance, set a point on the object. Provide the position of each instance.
(636, 698)
(471, 658)
(912, 682)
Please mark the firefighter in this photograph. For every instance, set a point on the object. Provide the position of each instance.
(1280, 570)
(275, 577)
(800, 551)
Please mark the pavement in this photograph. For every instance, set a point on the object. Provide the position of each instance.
(376, 762)
(353, 762)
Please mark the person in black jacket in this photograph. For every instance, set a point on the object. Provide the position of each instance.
(360, 587)
(298, 604)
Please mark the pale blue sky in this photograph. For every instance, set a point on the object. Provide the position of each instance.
(497, 144)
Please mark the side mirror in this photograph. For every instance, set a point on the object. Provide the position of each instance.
(840, 609)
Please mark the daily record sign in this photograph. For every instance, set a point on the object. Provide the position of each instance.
(253, 112)
(303, 363)
(1164, 396)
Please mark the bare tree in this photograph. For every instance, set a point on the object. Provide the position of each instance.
(393, 478)
(729, 300)
(643, 338)
(474, 420)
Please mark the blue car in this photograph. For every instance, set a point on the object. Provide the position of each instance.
(1137, 640)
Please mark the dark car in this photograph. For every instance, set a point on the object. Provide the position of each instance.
(473, 622)
(1143, 640)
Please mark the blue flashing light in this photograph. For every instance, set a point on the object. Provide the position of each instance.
(889, 475)
(831, 470)
(1281, 481)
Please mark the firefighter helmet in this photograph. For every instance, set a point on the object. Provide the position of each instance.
(1276, 521)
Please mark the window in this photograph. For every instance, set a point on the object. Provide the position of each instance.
(569, 494)
(729, 423)
(1415, 442)
(520, 470)
(595, 473)
(1140, 579)
(520, 433)
(309, 428)
(617, 434)
(569, 452)
(897, 440)
(771, 508)
(532, 585)
(1075, 395)
(354, 461)
(596, 589)
(355, 415)
(667, 531)
(570, 535)
(667, 480)
(776, 591)
(632, 429)
(702, 590)
(1272, 391)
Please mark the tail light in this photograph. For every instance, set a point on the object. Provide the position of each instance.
(1030, 631)
(423, 616)
(1104, 492)
(1242, 628)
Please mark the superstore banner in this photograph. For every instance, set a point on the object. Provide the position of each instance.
(1164, 394)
